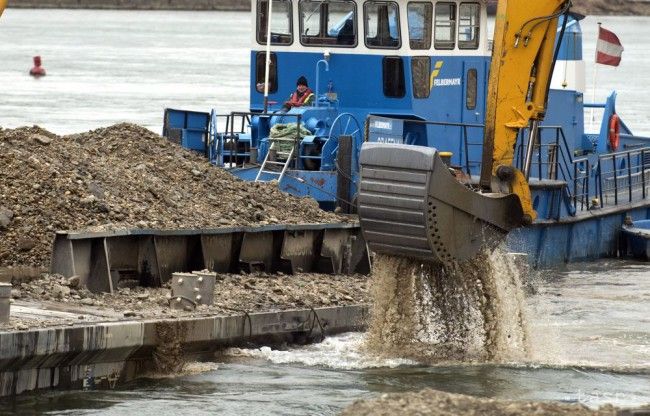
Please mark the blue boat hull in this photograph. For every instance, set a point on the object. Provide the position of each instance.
(584, 237)
(637, 239)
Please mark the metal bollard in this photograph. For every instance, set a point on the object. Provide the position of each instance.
(192, 289)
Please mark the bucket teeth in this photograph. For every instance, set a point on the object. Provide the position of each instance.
(411, 205)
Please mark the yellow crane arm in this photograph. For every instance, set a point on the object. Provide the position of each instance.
(520, 76)
(3, 4)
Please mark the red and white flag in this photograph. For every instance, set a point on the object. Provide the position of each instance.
(608, 48)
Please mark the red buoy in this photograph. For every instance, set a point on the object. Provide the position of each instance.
(37, 70)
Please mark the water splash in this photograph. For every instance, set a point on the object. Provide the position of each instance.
(470, 312)
(342, 352)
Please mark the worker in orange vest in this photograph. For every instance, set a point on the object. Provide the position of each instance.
(301, 96)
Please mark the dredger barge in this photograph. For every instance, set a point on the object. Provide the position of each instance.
(401, 93)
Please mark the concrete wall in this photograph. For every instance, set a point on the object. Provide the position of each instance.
(105, 354)
(134, 4)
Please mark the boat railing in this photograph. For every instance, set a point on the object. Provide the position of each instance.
(581, 196)
(586, 183)
(623, 177)
(467, 163)
(554, 161)
(223, 144)
(231, 145)
(552, 156)
(593, 181)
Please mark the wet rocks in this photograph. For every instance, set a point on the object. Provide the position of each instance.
(123, 176)
(430, 402)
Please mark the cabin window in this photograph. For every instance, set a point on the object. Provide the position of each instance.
(469, 18)
(382, 25)
(419, 19)
(260, 67)
(281, 27)
(420, 69)
(394, 85)
(445, 26)
(331, 23)
(472, 86)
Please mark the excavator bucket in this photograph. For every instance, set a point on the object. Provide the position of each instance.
(410, 204)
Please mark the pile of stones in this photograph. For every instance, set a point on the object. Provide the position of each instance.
(123, 176)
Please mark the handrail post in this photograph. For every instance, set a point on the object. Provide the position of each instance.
(557, 150)
(600, 182)
(532, 134)
(629, 175)
(587, 177)
(643, 173)
(582, 191)
(575, 185)
(539, 155)
(296, 149)
(469, 172)
(229, 140)
(615, 179)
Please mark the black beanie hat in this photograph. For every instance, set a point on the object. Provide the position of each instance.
(302, 81)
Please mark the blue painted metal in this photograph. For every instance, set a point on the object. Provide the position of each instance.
(571, 46)
(586, 237)
(637, 239)
(318, 185)
(190, 127)
(580, 189)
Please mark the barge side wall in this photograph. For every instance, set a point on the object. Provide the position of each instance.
(105, 354)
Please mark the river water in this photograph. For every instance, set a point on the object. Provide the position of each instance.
(589, 323)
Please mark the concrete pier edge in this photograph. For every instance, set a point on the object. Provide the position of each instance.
(103, 355)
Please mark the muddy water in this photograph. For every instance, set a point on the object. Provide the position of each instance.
(471, 312)
(590, 343)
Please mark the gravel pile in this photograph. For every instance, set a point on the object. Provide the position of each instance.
(233, 294)
(120, 177)
(437, 403)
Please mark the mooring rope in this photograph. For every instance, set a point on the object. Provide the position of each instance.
(315, 319)
(247, 317)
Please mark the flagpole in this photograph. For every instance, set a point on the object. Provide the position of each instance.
(268, 54)
(593, 92)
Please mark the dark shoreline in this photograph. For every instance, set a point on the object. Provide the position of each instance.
(587, 7)
(198, 5)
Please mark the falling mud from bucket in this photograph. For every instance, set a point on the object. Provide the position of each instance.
(472, 312)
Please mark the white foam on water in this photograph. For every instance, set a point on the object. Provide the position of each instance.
(189, 369)
(339, 352)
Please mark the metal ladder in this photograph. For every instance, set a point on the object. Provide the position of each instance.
(285, 164)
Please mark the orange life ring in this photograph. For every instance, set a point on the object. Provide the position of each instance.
(614, 135)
